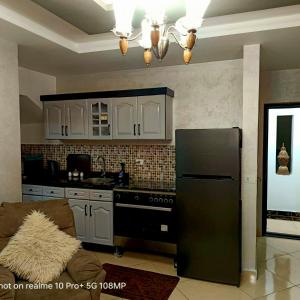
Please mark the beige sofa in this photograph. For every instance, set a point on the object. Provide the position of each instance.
(84, 268)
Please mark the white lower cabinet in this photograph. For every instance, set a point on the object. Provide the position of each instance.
(79, 208)
(93, 218)
(101, 222)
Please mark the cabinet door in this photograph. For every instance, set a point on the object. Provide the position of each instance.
(76, 120)
(101, 222)
(81, 218)
(100, 119)
(54, 119)
(125, 118)
(151, 117)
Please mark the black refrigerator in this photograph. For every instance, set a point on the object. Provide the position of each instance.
(208, 204)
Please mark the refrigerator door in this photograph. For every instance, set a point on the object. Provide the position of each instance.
(209, 238)
(208, 152)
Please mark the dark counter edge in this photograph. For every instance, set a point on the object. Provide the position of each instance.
(109, 94)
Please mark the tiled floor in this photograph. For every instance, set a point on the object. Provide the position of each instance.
(283, 226)
(278, 267)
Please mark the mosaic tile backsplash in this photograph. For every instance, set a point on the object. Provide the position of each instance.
(159, 160)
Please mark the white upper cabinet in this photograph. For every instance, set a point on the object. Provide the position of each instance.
(146, 117)
(66, 119)
(151, 117)
(76, 126)
(125, 118)
(100, 119)
(54, 118)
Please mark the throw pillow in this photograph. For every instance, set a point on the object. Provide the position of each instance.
(39, 251)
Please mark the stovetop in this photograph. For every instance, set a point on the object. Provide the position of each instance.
(151, 186)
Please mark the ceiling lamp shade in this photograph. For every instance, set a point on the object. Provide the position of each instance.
(155, 31)
(123, 11)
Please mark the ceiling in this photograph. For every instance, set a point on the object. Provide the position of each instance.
(91, 18)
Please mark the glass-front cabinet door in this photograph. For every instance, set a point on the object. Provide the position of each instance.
(100, 119)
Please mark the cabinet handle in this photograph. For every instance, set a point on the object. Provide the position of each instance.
(134, 129)
(66, 129)
(90, 210)
(100, 196)
(85, 212)
(139, 129)
(108, 129)
(62, 130)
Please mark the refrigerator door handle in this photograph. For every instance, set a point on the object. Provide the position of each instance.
(207, 177)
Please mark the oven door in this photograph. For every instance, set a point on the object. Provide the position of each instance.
(144, 222)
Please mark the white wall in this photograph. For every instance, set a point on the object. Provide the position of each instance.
(32, 85)
(284, 191)
(207, 95)
(10, 147)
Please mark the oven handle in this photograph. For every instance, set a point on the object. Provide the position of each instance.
(144, 207)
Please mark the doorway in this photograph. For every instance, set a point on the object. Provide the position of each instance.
(281, 215)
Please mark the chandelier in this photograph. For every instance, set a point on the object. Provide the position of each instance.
(155, 33)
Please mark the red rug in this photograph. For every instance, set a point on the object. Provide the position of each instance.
(140, 284)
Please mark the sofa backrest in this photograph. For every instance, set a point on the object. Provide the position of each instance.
(12, 216)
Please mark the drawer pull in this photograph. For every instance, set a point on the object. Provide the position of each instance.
(100, 196)
(85, 207)
(51, 192)
(75, 194)
(30, 190)
(90, 210)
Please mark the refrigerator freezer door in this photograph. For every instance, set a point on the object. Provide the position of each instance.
(209, 152)
(209, 237)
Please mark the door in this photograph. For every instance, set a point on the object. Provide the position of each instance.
(101, 222)
(81, 218)
(76, 126)
(209, 237)
(125, 118)
(151, 117)
(100, 119)
(54, 119)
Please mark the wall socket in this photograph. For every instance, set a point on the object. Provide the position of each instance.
(139, 162)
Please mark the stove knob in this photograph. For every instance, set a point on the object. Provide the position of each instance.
(161, 200)
(136, 198)
(155, 199)
(117, 196)
(166, 201)
(150, 199)
(171, 201)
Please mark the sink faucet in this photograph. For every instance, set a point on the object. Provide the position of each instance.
(103, 169)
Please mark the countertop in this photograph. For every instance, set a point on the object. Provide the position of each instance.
(62, 181)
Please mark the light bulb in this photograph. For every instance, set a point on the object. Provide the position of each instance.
(145, 42)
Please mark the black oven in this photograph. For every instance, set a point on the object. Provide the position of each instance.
(145, 215)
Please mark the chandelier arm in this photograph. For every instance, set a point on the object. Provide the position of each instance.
(176, 39)
(135, 37)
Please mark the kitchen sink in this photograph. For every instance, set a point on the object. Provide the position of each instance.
(98, 180)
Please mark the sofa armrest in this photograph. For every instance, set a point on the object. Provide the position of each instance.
(7, 280)
(85, 267)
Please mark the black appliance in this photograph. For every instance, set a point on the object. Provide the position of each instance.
(208, 202)
(32, 166)
(53, 168)
(145, 214)
(79, 162)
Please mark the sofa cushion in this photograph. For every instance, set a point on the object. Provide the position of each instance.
(39, 251)
(12, 216)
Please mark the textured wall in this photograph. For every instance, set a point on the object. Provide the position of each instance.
(251, 75)
(10, 167)
(32, 85)
(207, 95)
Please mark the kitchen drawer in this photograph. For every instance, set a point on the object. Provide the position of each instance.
(28, 189)
(77, 193)
(29, 198)
(101, 195)
(54, 192)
